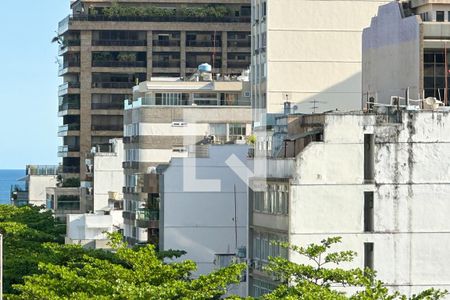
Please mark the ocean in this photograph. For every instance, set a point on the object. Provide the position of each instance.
(8, 178)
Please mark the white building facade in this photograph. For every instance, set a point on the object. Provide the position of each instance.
(165, 118)
(204, 208)
(305, 51)
(378, 180)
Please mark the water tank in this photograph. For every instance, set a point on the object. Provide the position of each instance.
(205, 68)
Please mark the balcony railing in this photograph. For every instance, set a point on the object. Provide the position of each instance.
(120, 64)
(194, 64)
(68, 148)
(42, 170)
(107, 105)
(239, 44)
(113, 85)
(238, 64)
(69, 127)
(203, 44)
(103, 18)
(107, 127)
(166, 64)
(71, 63)
(119, 43)
(67, 106)
(167, 43)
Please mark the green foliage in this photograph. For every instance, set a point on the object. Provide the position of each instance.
(25, 231)
(316, 279)
(71, 182)
(118, 10)
(137, 273)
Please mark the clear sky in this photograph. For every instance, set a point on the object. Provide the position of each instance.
(29, 82)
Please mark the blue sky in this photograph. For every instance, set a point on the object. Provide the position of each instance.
(29, 82)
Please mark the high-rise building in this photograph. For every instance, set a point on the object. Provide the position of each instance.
(108, 46)
(308, 53)
(405, 51)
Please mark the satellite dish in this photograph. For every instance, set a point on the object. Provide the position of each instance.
(432, 103)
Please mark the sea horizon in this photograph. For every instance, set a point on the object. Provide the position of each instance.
(8, 178)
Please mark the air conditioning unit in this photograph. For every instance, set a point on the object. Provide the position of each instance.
(179, 124)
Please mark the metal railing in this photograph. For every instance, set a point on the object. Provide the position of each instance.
(107, 127)
(203, 44)
(119, 43)
(103, 18)
(238, 64)
(107, 105)
(42, 170)
(68, 127)
(68, 148)
(239, 44)
(70, 105)
(70, 169)
(119, 64)
(166, 64)
(113, 85)
(167, 43)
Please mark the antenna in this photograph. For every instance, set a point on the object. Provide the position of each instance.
(315, 104)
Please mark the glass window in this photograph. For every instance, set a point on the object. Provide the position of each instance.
(440, 16)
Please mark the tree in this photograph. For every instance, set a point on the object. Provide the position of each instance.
(137, 273)
(317, 279)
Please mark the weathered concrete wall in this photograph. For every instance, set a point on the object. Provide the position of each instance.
(412, 181)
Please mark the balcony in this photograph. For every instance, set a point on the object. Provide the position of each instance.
(130, 139)
(64, 129)
(166, 43)
(130, 165)
(238, 64)
(95, 106)
(166, 64)
(64, 151)
(113, 85)
(66, 44)
(107, 127)
(63, 25)
(239, 44)
(120, 64)
(41, 170)
(64, 88)
(112, 43)
(69, 105)
(146, 218)
(203, 44)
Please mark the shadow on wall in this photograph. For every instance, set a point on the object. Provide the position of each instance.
(332, 98)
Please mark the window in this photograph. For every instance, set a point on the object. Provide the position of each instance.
(264, 9)
(368, 256)
(237, 130)
(369, 144)
(440, 16)
(368, 212)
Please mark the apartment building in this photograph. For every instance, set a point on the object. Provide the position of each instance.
(405, 51)
(378, 179)
(104, 169)
(308, 53)
(165, 118)
(37, 179)
(107, 47)
(206, 182)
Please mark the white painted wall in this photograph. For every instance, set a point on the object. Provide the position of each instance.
(202, 222)
(313, 52)
(108, 175)
(36, 188)
(411, 207)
